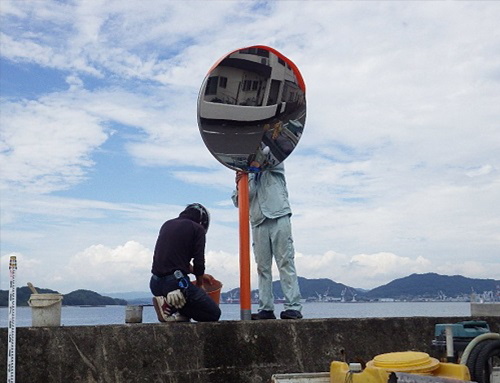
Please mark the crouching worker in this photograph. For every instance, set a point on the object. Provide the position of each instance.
(182, 240)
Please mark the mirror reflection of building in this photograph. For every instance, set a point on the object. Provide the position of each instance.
(252, 109)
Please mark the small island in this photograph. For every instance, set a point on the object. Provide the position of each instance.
(75, 298)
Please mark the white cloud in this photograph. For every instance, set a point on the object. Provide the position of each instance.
(471, 268)
(134, 41)
(123, 268)
(221, 178)
(388, 263)
(325, 265)
(225, 267)
(61, 131)
(46, 144)
(360, 270)
(480, 171)
(74, 82)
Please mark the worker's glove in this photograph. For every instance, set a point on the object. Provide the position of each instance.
(176, 299)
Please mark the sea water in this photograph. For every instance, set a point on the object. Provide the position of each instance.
(105, 315)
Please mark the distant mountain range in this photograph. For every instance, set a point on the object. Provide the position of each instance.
(432, 285)
(75, 298)
(412, 287)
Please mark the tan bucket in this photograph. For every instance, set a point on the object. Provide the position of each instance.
(45, 309)
(133, 314)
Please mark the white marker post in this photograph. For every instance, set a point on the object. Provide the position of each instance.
(11, 358)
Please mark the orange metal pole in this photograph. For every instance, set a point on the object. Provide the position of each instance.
(243, 206)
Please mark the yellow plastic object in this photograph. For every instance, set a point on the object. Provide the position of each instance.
(411, 362)
(378, 369)
(453, 371)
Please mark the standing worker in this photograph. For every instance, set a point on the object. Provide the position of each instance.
(181, 240)
(272, 236)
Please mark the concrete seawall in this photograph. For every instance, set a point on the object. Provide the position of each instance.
(485, 309)
(223, 352)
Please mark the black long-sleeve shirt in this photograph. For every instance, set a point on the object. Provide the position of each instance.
(180, 241)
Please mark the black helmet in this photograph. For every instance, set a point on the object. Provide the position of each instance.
(201, 214)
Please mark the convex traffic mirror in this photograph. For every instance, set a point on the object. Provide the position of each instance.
(252, 109)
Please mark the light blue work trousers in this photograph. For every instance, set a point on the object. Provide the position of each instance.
(273, 237)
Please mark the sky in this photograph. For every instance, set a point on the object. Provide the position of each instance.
(397, 172)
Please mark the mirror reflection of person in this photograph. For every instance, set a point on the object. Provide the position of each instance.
(274, 137)
(180, 241)
(272, 237)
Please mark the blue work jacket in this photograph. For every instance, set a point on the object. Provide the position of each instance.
(268, 195)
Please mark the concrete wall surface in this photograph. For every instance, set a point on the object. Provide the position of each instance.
(223, 352)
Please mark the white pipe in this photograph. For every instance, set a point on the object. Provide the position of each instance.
(450, 352)
(474, 342)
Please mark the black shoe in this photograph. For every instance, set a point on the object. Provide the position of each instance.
(291, 314)
(263, 314)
